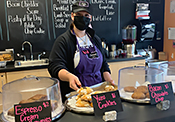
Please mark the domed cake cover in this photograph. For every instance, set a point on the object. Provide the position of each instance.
(29, 83)
(31, 89)
(139, 75)
(169, 70)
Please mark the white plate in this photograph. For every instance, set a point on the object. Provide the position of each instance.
(71, 104)
(127, 96)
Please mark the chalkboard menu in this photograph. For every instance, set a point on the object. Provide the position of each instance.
(148, 1)
(104, 13)
(61, 10)
(42, 21)
(27, 19)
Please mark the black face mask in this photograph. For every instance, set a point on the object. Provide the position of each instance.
(81, 22)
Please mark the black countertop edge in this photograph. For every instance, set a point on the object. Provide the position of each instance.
(125, 59)
(10, 67)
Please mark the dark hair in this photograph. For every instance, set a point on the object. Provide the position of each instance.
(71, 25)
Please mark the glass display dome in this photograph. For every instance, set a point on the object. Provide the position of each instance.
(138, 75)
(169, 72)
(133, 82)
(31, 89)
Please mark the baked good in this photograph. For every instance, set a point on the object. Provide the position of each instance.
(54, 104)
(81, 103)
(35, 98)
(1, 58)
(98, 92)
(78, 96)
(129, 89)
(91, 104)
(86, 97)
(109, 88)
(138, 95)
(89, 90)
(38, 97)
(7, 56)
(143, 89)
(11, 112)
(147, 95)
(83, 99)
(26, 101)
(84, 90)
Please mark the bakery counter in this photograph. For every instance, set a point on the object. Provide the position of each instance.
(10, 73)
(127, 58)
(10, 65)
(118, 63)
(132, 112)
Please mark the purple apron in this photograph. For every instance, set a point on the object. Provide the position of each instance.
(88, 69)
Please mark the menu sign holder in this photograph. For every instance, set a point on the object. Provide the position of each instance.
(160, 92)
(33, 112)
(107, 101)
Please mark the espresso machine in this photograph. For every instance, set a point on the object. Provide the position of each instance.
(129, 34)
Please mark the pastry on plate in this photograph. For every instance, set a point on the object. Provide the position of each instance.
(86, 97)
(83, 91)
(54, 104)
(1, 58)
(138, 95)
(109, 88)
(78, 96)
(129, 89)
(11, 112)
(81, 103)
(39, 97)
(98, 92)
(143, 89)
(147, 95)
(26, 101)
(89, 90)
(7, 56)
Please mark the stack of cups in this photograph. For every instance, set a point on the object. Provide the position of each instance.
(113, 51)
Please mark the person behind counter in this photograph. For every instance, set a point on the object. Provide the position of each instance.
(77, 55)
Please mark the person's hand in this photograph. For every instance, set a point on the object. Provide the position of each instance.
(112, 82)
(108, 78)
(74, 82)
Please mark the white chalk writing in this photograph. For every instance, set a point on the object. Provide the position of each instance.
(62, 10)
(30, 18)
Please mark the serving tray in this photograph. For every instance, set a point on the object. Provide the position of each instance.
(97, 87)
(70, 103)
